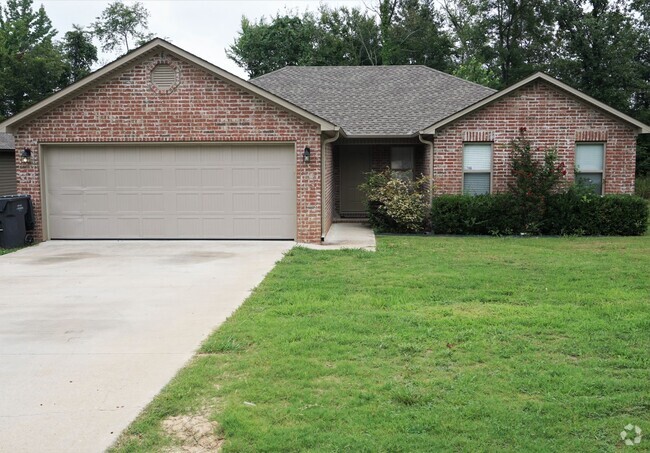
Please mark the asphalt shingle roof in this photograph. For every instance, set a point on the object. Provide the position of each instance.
(374, 100)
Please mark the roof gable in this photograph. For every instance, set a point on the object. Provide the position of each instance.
(374, 101)
(642, 128)
(112, 68)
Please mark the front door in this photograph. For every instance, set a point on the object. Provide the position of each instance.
(354, 164)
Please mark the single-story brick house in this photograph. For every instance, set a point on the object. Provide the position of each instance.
(162, 144)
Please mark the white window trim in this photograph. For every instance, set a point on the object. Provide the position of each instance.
(491, 171)
(602, 171)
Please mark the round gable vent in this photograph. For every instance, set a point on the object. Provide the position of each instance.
(164, 77)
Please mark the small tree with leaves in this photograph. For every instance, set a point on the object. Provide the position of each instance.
(121, 27)
(536, 175)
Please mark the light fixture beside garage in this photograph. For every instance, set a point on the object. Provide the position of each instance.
(306, 155)
(26, 156)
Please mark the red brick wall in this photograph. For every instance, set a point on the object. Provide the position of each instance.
(203, 108)
(552, 120)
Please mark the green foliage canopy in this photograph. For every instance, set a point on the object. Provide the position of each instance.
(31, 67)
(121, 26)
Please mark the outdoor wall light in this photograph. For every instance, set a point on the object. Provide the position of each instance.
(26, 155)
(306, 155)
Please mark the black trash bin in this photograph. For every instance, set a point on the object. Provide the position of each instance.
(15, 213)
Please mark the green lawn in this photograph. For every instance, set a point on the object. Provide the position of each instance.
(5, 251)
(429, 344)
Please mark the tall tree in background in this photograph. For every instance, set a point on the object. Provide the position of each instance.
(264, 47)
(346, 37)
(121, 27)
(412, 32)
(31, 67)
(79, 54)
(469, 31)
(418, 36)
(521, 34)
(338, 36)
(598, 51)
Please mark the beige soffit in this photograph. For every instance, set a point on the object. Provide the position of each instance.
(107, 70)
(643, 128)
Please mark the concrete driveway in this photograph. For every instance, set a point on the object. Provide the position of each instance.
(90, 331)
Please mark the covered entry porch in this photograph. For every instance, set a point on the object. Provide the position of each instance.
(354, 159)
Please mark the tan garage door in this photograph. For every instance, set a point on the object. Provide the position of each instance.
(190, 192)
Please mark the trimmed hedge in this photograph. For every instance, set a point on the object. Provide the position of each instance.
(568, 213)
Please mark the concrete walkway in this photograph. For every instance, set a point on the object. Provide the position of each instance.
(90, 331)
(348, 236)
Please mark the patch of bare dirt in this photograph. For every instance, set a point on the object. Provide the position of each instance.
(195, 433)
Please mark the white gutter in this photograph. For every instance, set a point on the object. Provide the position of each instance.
(430, 143)
(327, 141)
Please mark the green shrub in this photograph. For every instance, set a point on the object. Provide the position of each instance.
(396, 205)
(569, 213)
(642, 187)
(481, 214)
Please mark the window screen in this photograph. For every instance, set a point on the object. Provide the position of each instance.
(589, 157)
(477, 168)
(477, 157)
(590, 162)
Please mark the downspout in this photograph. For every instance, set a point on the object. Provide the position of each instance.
(430, 143)
(326, 142)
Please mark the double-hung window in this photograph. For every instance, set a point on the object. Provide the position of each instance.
(590, 164)
(477, 168)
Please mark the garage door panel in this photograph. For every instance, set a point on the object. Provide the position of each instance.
(125, 178)
(95, 178)
(127, 202)
(96, 203)
(126, 226)
(61, 226)
(66, 203)
(186, 156)
(219, 156)
(66, 177)
(248, 226)
(153, 227)
(273, 203)
(208, 191)
(99, 155)
(152, 202)
(152, 178)
(245, 203)
(244, 177)
(272, 226)
(102, 226)
(215, 177)
(215, 203)
(188, 202)
(187, 177)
